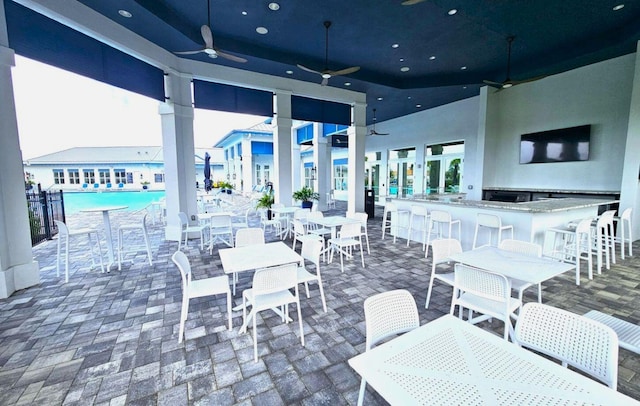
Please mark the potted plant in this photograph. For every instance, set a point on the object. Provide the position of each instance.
(265, 201)
(225, 187)
(306, 195)
(145, 185)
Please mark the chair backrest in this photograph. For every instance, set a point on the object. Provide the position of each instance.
(301, 214)
(440, 216)
(488, 220)
(298, 227)
(222, 221)
(311, 250)
(315, 214)
(584, 226)
(626, 214)
(585, 344)
(275, 279)
(350, 230)
(62, 228)
(361, 217)
(389, 207)
(144, 221)
(521, 247)
(184, 220)
(388, 314)
(482, 283)
(443, 248)
(419, 210)
(249, 236)
(182, 262)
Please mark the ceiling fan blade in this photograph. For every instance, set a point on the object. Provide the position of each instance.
(189, 52)
(345, 71)
(411, 2)
(325, 81)
(207, 36)
(517, 82)
(304, 68)
(492, 83)
(229, 56)
(374, 132)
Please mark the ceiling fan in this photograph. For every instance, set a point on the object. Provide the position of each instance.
(411, 2)
(326, 73)
(373, 129)
(209, 48)
(508, 82)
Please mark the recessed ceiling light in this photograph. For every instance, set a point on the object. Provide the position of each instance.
(418, 105)
(401, 59)
(395, 46)
(452, 11)
(404, 69)
(464, 87)
(408, 97)
(262, 30)
(127, 14)
(379, 98)
(432, 57)
(618, 7)
(347, 83)
(274, 6)
(289, 72)
(463, 68)
(244, 13)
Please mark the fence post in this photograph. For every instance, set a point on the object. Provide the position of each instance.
(45, 214)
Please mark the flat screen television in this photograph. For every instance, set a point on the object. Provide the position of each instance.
(562, 145)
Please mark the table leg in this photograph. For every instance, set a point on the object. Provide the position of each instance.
(107, 231)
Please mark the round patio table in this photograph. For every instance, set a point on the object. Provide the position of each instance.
(107, 228)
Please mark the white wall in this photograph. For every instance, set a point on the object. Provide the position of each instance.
(597, 94)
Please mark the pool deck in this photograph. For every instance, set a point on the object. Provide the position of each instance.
(112, 338)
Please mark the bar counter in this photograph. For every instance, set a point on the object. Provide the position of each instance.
(529, 219)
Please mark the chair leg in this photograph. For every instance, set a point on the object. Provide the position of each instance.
(183, 316)
(426, 304)
(229, 309)
(148, 244)
(58, 255)
(120, 238)
(363, 385)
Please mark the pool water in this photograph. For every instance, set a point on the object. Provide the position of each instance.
(76, 201)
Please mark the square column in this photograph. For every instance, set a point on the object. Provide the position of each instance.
(356, 134)
(282, 147)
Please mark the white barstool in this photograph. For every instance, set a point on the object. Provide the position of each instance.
(418, 216)
(490, 222)
(604, 239)
(133, 227)
(391, 213)
(624, 231)
(65, 234)
(438, 220)
(572, 244)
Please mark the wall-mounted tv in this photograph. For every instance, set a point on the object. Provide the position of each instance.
(562, 145)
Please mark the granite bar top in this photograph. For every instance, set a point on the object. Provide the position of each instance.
(590, 192)
(537, 206)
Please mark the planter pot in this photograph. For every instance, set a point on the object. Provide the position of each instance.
(228, 191)
(269, 214)
(145, 187)
(307, 205)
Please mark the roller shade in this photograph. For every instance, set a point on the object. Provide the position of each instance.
(37, 37)
(234, 99)
(321, 111)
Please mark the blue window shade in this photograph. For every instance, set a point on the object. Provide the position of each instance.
(321, 111)
(304, 134)
(308, 164)
(216, 96)
(35, 36)
(329, 129)
(261, 148)
(341, 161)
(239, 147)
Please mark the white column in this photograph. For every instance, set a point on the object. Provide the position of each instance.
(282, 162)
(247, 166)
(297, 171)
(179, 152)
(18, 270)
(357, 134)
(322, 162)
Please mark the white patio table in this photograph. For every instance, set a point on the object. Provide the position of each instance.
(451, 362)
(250, 257)
(107, 228)
(287, 211)
(333, 222)
(513, 265)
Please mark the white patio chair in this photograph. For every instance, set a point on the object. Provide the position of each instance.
(347, 239)
(575, 245)
(604, 240)
(198, 288)
(386, 315)
(300, 234)
(220, 229)
(575, 340)
(392, 214)
(64, 237)
(491, 222)
(243, 220)
(265, 221)
(311, 250)
(331, 200)
(244, 237)
(188, 229)
(483, 292)
(363, 218)
(140, 227)
(272, 288)
(438, 221)
(524, 248)
(440, 252)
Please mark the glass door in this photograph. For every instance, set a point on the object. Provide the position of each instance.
(400, 176)
(443, 168)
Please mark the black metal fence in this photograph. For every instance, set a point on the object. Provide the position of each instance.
(44, 207)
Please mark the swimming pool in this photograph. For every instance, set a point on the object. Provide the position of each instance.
(76, 201)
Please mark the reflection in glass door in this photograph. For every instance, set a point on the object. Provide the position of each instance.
(400, 176)
(372, 179)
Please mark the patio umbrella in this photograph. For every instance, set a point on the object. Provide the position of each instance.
(207, 172)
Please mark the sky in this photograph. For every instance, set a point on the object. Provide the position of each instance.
(57, 110)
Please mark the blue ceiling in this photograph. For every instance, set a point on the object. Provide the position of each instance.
(469, 46)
